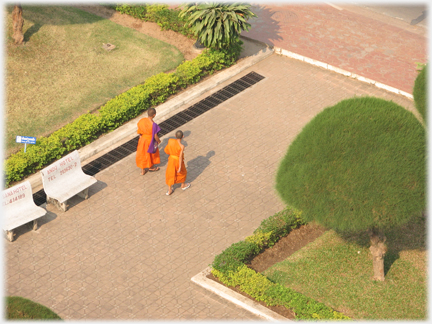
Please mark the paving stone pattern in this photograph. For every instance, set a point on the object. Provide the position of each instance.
(129, 251)
(373, 46)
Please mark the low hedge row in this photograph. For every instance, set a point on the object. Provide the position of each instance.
(116, 112)
(167, 19)
(230, 268)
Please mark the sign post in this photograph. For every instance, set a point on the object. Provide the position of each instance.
(25, 140)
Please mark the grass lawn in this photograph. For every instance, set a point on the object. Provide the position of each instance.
(338, 273)
(62, 71)
(25, 309)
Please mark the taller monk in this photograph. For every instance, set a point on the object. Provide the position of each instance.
(148, 151)
(176, 169)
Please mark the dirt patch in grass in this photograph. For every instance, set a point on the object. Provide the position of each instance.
(286, 246)
(178, 40)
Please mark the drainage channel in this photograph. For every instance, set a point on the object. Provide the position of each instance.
(166, 126)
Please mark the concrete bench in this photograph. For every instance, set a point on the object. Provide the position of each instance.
(19, 208)
(64, 179)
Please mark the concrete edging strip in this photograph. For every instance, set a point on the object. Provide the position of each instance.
(305, 59)
(171, 105)
(234, 297)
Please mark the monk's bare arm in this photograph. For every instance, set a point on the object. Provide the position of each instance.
(157, 138)
(181, 157)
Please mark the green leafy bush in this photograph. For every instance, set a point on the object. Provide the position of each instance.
(115, 113)
(167, 19)
(260, 239)
(235, 256)
(136, 11)
(217, 24)
(420, 93)
(243, 251)
(280, 224)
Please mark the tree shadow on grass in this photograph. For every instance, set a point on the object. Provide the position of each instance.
(31, 31)
(411, 236)
(31, 14)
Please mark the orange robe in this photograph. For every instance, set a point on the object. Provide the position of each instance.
(173, 149)
(143, 158)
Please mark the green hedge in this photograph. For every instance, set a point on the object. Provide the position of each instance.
(167, 19)
(357, 165)
(116, 112)
(25, 309)
(420, 93)
(229, 267)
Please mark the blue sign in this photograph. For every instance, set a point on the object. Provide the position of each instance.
(26, 140)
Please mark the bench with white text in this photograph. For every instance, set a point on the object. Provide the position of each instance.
(19, 208)
(64, 179)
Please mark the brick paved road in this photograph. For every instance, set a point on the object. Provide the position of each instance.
(375, 46)
(129, 251)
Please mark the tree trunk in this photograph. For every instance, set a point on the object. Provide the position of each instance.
(378, 250)
(18, 23)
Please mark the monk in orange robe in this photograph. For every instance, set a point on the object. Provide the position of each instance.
(176, 169)
(147, 151)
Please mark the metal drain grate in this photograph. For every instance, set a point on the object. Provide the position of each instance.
(166, 126)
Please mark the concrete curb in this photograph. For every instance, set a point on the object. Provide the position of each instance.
(234, 297)
(163, 110)
(305, 59)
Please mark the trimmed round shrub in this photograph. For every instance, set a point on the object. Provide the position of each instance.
(25, 309)
(235, 256)
(420, 92)
(357, 165)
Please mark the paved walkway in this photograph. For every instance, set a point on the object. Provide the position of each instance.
(355, 39)
(129, 251)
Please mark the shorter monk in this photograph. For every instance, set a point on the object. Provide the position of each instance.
(176, 169)
(147, 150)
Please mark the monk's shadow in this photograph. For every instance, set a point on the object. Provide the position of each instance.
(196, 166)
(163, 144)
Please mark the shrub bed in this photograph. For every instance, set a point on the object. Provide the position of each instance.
(115, 112)
(230, 268)
(167, 19)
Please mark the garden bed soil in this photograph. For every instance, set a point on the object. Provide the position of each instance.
(286, 246)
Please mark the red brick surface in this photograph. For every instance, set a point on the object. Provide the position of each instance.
(373, 46)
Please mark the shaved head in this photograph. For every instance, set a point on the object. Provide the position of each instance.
(151, 112)
(179, 134)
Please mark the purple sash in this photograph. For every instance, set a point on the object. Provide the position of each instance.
(153, 144)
